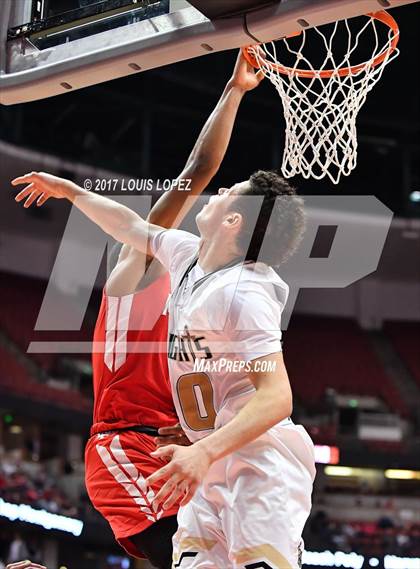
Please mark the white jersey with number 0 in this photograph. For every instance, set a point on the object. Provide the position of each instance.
(251, 507)
(218, 323)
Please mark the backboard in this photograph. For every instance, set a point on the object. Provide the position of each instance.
(50, 47)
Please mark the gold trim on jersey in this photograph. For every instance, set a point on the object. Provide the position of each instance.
(264, 551)
(200, 543)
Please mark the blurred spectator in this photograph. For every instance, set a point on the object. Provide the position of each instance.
(30, 483)
(386, 536)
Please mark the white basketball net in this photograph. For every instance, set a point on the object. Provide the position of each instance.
(321, 112)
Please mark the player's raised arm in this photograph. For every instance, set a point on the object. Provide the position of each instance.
(210, 148)
(202, 164)
(117, 220)
(120, 222)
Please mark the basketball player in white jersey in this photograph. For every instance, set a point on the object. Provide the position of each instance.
(247, 479)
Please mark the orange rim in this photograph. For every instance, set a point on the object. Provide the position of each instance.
(381, 16)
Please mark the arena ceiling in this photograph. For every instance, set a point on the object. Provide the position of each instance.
(146, 124)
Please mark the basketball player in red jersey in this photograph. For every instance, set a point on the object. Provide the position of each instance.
(132, 397)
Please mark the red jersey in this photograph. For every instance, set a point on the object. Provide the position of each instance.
(130, 368)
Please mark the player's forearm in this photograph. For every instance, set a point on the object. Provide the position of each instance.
(267, 407)
(214, 138)
(210, 148)
(203, 162)
(117, 220)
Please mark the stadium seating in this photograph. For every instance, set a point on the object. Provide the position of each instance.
(386, 535)
(22, 300)
(405, 337)
(315, 350)
(15, 379)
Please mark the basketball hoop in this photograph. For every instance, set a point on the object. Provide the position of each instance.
(321, 100)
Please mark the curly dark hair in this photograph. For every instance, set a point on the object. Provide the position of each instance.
(282, 207)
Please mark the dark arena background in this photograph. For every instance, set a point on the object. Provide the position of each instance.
(352, 353)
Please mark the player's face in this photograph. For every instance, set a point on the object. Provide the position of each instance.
(211, 217)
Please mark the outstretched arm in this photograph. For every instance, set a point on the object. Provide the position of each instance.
(119, 221)
(202, 164)
(210, 148)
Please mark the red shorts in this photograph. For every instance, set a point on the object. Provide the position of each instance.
(117, 465)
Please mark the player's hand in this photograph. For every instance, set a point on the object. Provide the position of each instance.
(25, 565)
(244, 75)
(172, 436)
(185, 470)
(40, 187)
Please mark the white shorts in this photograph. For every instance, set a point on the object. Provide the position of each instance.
(250, 511)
